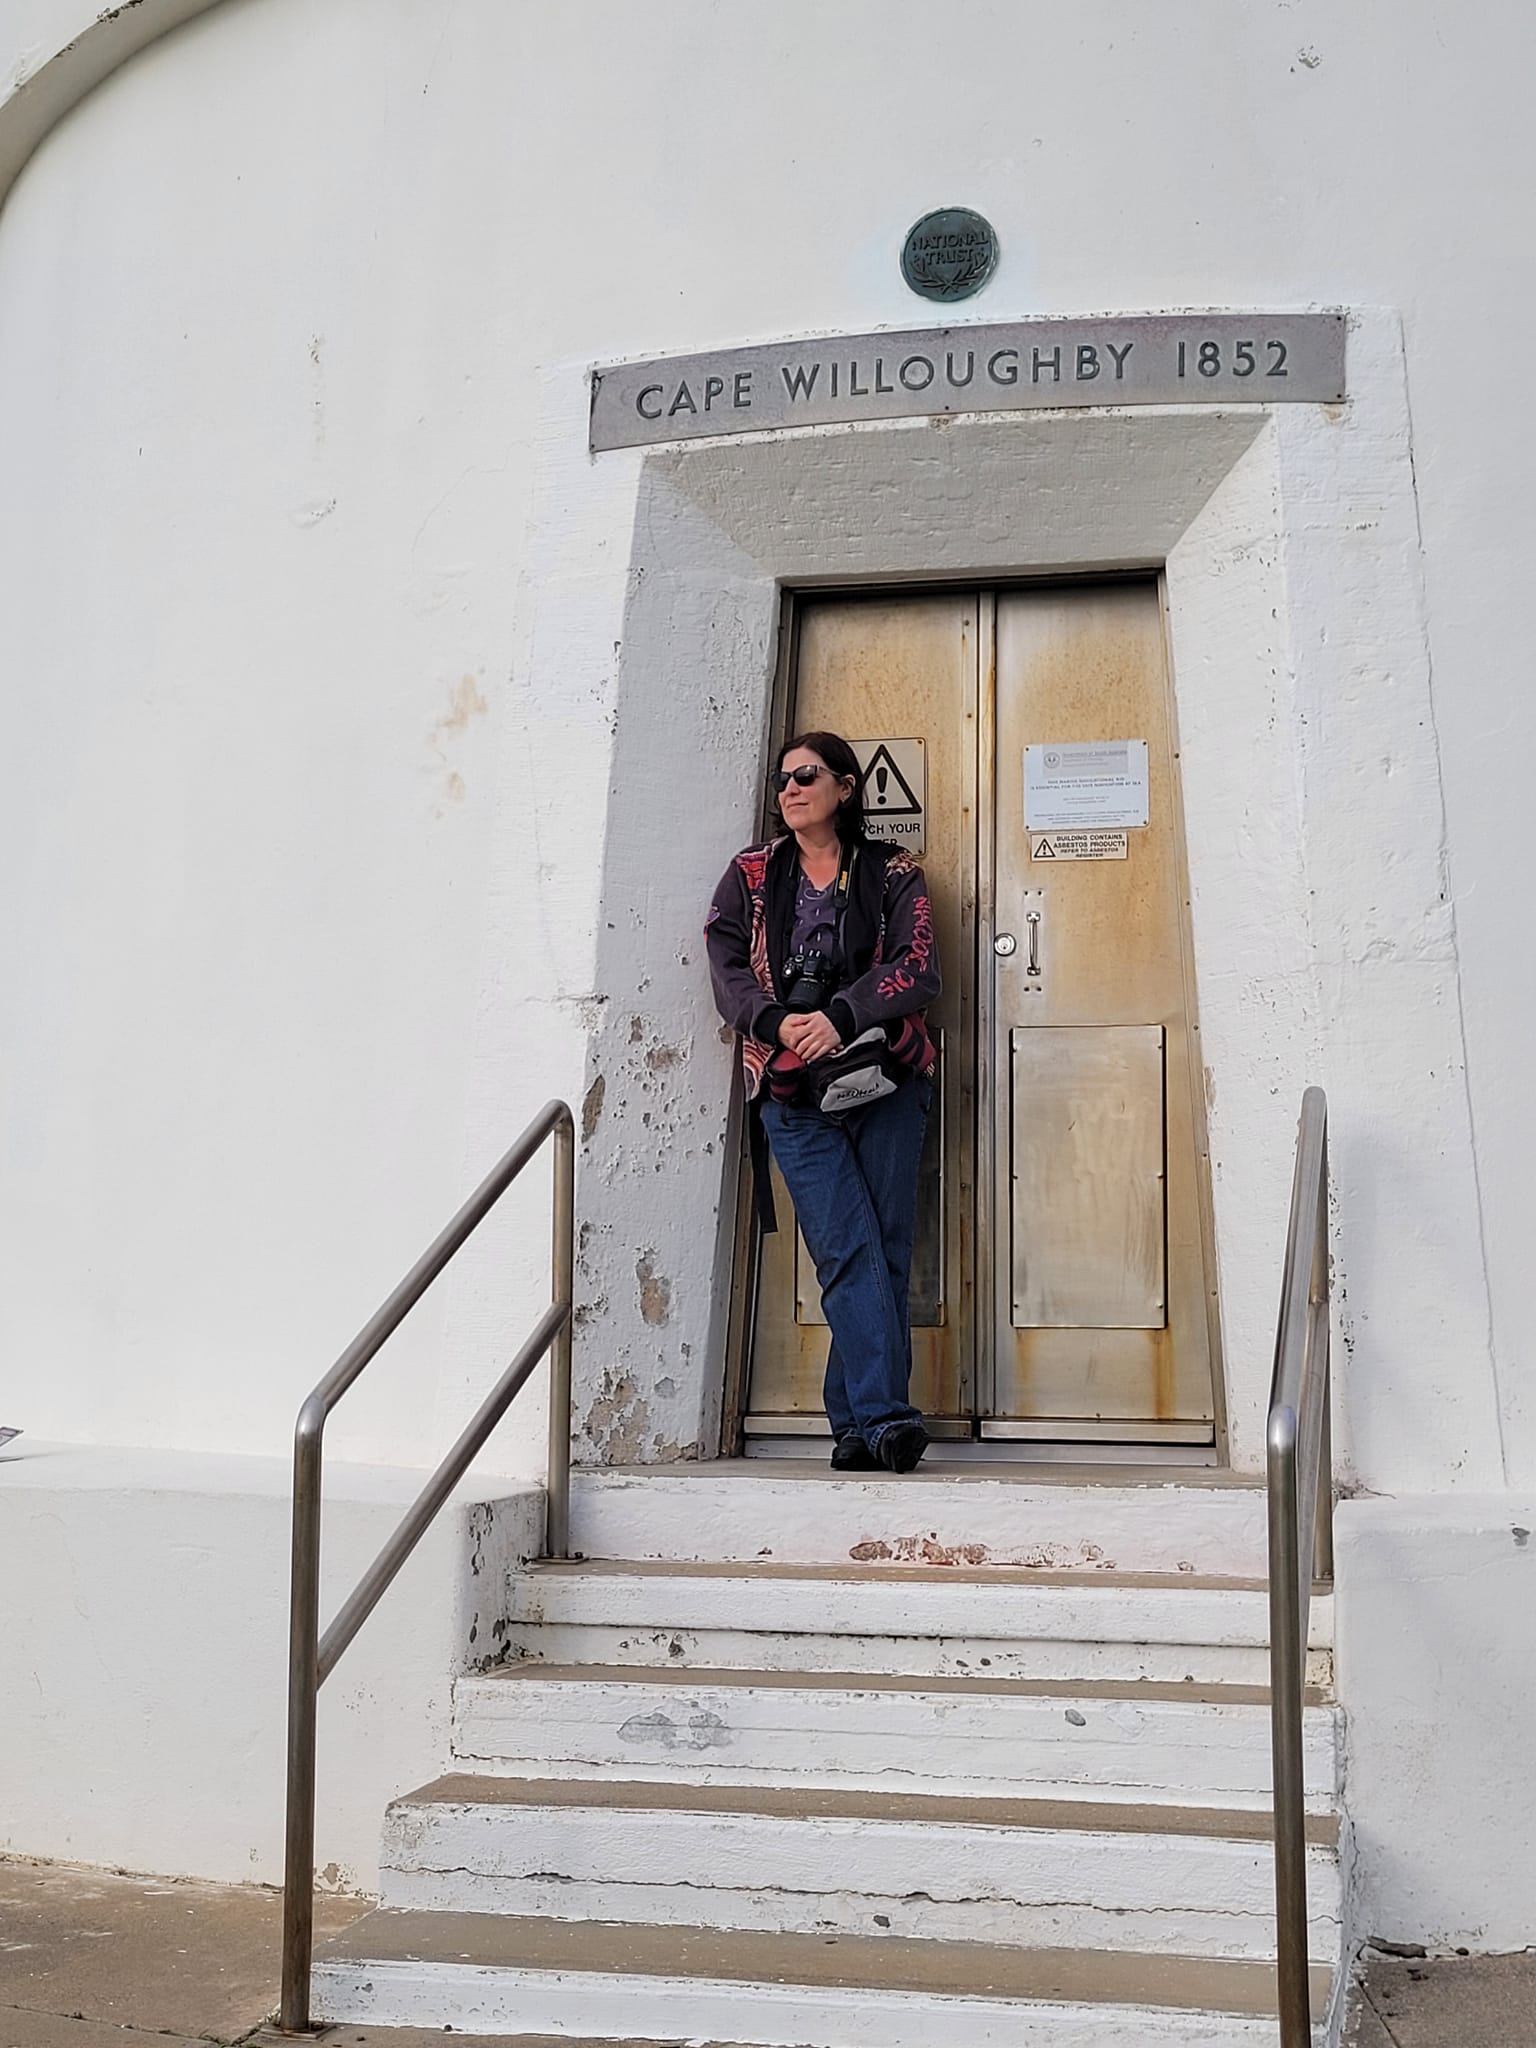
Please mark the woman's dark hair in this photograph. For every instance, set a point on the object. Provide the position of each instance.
(842, 760)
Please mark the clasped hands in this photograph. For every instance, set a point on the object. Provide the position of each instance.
(809, 1034)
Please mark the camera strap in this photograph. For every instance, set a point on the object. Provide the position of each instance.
(844, 880)
(840, 897)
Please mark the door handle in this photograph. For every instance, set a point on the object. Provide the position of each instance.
(1032, 919)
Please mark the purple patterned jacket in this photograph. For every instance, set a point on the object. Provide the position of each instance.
(890, 955)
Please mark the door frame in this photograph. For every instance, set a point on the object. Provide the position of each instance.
(746, 1238)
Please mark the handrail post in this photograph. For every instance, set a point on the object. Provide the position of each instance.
(303, 1701)
(557, 1538)
(310, 1658)
(1287, 1662)
(1299, 1483)
(1322, 1333)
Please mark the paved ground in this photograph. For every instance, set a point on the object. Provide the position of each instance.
(89, 1959)
(92, 1960)
(1447, 2002)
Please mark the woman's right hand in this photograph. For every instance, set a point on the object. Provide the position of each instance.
(809, 1034)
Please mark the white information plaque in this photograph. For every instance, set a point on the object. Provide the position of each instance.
(1076, 784)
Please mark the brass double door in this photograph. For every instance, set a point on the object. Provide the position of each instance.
(1063, 1278)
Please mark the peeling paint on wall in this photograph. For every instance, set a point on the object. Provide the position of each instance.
(655, 1291)
(618, 1419)
(592, 1108)
(645, 1116)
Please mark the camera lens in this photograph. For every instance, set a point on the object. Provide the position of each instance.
(808, 977)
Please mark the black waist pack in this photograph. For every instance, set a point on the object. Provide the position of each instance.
(861, 1073)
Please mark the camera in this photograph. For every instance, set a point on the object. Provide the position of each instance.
(809, 979)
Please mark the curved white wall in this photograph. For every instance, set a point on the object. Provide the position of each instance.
(293, 318)
(53, 54)
(260, 538)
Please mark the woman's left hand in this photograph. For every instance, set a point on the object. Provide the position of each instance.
(815, 1037)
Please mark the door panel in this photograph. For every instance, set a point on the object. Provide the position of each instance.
(1087, 1171)
(893, 669)
(1089, 665)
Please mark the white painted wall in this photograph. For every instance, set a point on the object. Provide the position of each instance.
(1435, 1643)
(144, 1612)
(53, 53)
(358, 795)
(33, 32)
(316, 600)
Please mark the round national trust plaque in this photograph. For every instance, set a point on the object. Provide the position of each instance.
(949, 254)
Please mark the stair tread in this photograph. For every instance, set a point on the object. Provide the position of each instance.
(1014, 1474)
(1085, 1579)
(859, 1963)
(348, 2034)
(353, 2034)
(1182, 1692)
(809, 1803)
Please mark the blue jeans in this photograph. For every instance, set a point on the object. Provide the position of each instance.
(853, 1181)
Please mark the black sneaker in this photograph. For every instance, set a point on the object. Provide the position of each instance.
(902, 1445)
(851, 1454)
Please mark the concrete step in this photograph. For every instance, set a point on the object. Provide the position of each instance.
(350, 2035)
(1159, 1880)
(1032, 1517)
(921, 1621)
(1068, 1739)
(515, 1978)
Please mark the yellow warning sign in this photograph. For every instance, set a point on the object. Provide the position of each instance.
(1077, 846)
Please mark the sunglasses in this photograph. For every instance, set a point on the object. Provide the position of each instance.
(805, 775)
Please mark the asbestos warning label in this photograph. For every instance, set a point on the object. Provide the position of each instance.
(1077, 846)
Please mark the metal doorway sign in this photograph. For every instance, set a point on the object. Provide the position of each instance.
(1137, 359)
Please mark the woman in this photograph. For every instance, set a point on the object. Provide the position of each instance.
(822, 956)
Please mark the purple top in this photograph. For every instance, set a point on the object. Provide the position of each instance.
(815, 928)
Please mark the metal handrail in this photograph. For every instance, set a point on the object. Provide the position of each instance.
(311, 1657)
(1300, 1480)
